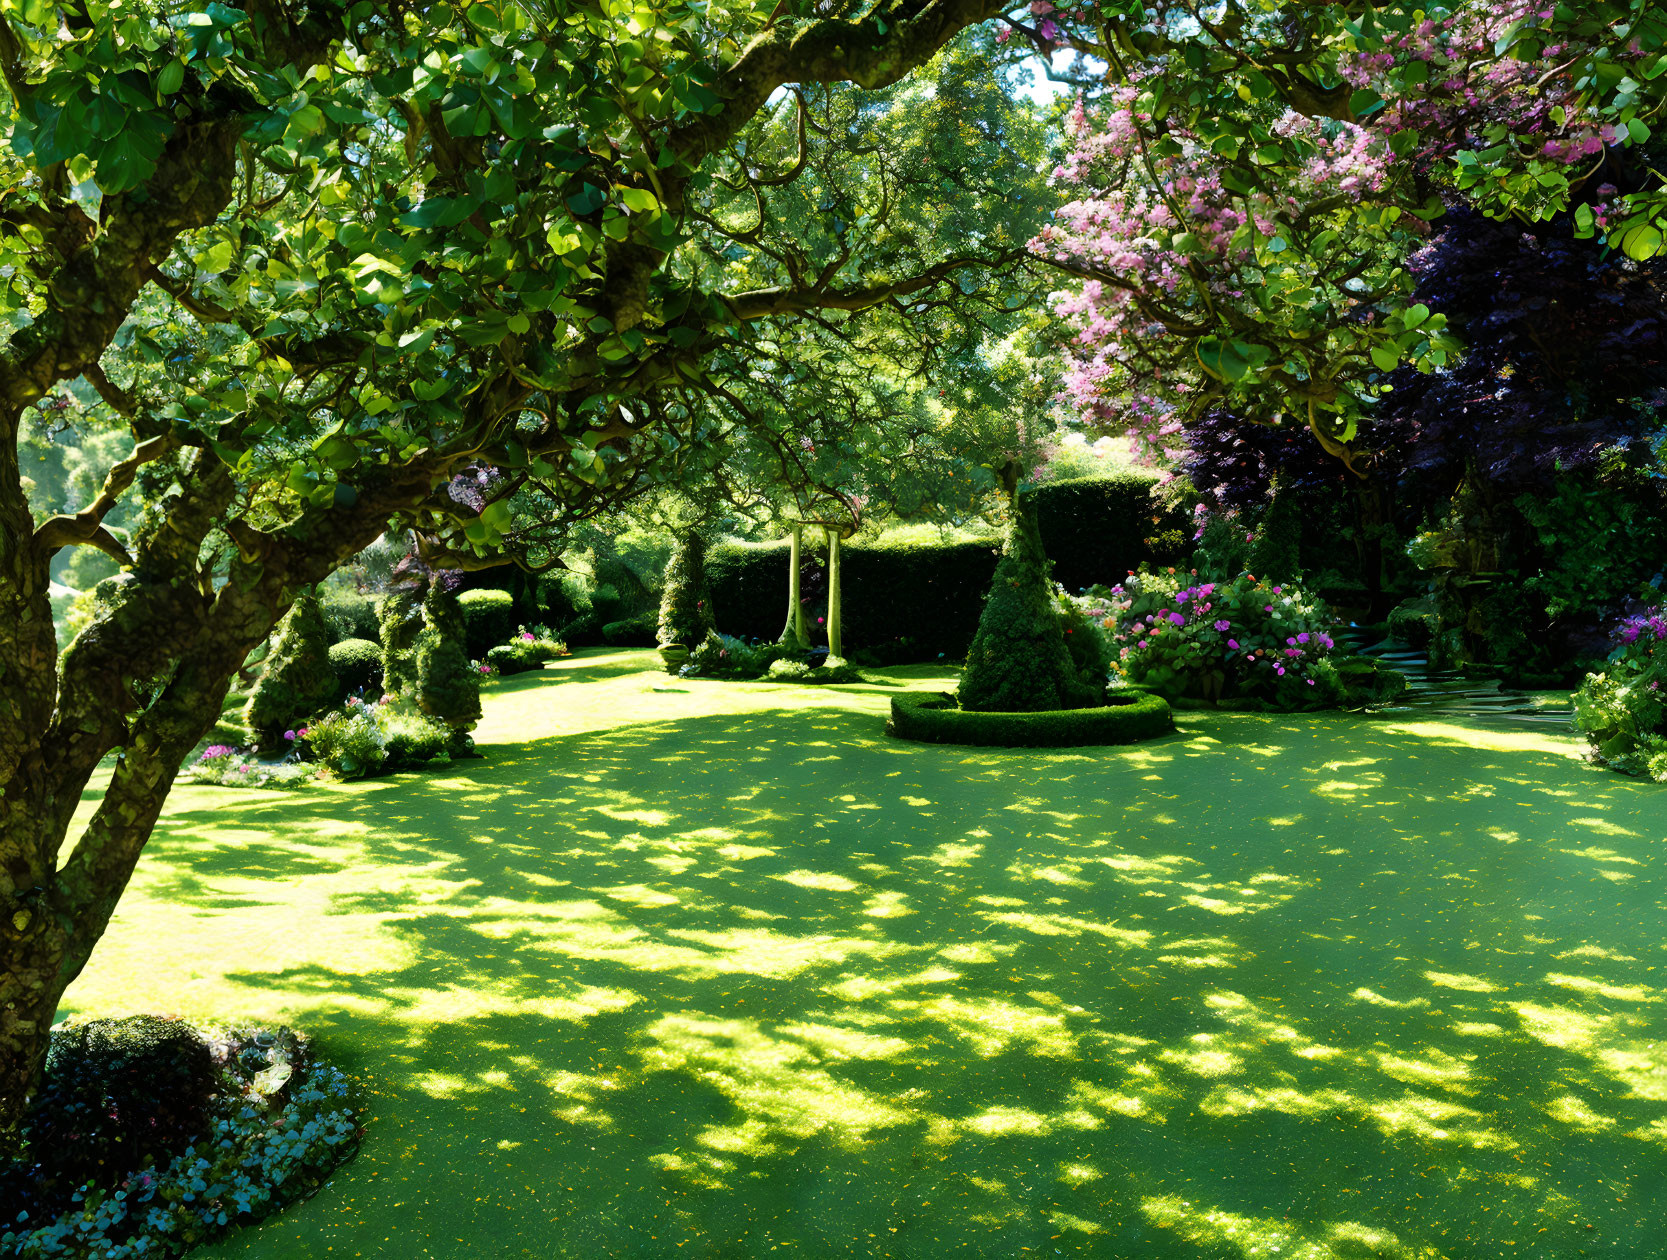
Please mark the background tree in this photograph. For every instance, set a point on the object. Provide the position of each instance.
(468, 242)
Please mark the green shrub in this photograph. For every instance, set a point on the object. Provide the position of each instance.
(524, 652)
(362, 740)
(448, 687)
(833, 671)
(936, 718)
(640, 630)
(686, 604)
(297, 681)
(357, 664)
(401, 618)
(115, 1095)
(348, 614)
(488, 617)
(410, 739)
(1018, 661)
(1622, 710)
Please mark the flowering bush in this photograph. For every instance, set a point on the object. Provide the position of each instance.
(279, 1123)
(1239, 637)
(529, 649)
(1621, 710)
(226, 766)
(363, 739)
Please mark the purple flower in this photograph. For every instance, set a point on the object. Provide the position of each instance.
(1267, 607)
(1234, 644)
(1303, 637)
(290, 735)
(1291, 642)
(1177, 619)
(1222, 625)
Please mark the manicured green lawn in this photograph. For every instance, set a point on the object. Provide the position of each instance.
(687, 969)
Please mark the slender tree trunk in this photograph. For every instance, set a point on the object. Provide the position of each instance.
(795, 628)
(836, 637)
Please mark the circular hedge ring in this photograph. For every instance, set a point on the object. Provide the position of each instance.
(936, 718)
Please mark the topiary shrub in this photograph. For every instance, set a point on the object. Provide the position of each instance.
(357, 664)
(686, 606)
(1018, 661)
(401, 623)
(488, 618)
(116, 1094)
(447, 686)
(934, 717)
(297, 681)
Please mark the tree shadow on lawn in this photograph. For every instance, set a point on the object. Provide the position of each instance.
(1298, 987)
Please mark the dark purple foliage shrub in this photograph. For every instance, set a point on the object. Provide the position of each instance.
(1566, 357)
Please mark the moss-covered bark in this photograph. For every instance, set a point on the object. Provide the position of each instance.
(298, 680)
(400, 620)
(1018, 661)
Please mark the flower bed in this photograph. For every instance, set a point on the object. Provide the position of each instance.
(1240, 641)
(936, 718)
(278, 1122)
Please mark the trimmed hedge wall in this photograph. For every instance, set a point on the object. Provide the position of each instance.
(1095, 529)
(936, 718)
(915, 601)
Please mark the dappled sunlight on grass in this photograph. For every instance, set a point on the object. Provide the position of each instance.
(721, 966)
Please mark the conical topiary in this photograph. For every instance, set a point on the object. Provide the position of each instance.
(1018, 661)
(686, 606)
(400, 619)
(297, 681)
(1275, 553)
(448, 687)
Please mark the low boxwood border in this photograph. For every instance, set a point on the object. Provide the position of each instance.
(935, 718)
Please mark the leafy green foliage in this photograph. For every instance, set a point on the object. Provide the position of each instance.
(298, 679)
(1622, 709)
